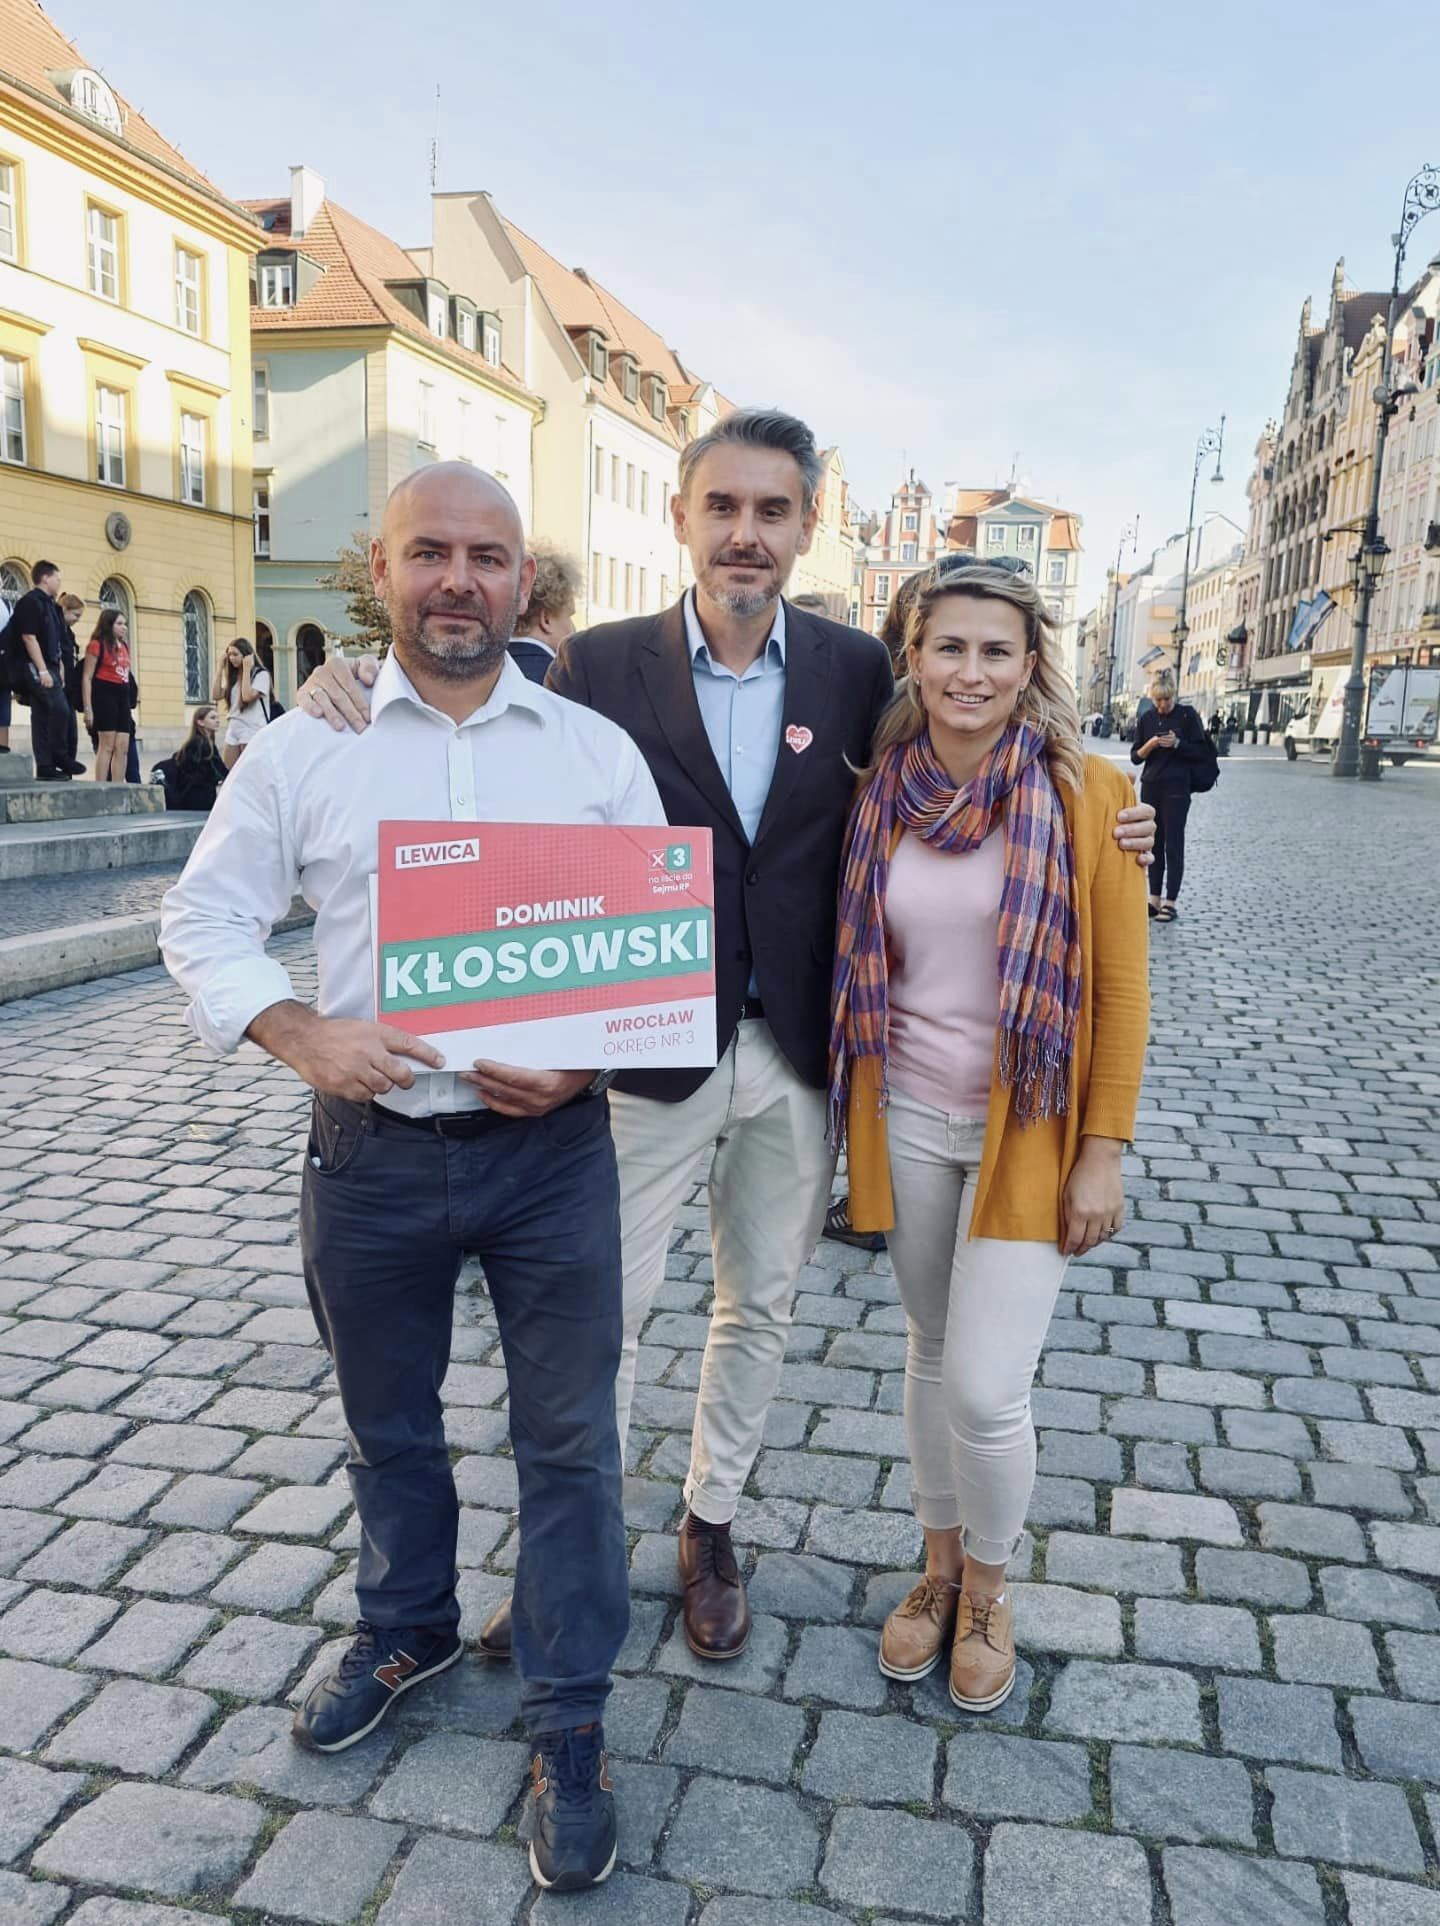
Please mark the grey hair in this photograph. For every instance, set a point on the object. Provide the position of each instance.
(761, 428)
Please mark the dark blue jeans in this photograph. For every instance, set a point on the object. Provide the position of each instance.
(1167, 872)
(387, 1213)
(52, 725)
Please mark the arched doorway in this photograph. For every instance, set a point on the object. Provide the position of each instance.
(265, 648)
(195, 626)
(309, 650)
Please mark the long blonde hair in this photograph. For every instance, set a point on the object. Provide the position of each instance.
(1048, 700)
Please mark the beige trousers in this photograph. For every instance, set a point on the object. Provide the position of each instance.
(769, 1186)
(977, 1311)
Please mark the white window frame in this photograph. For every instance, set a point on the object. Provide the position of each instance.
(467, 328)
(882, 588)
(189, 291)
(1027, 535)
(629, 484)
(110, 425)
(102, 250)
(12, 410)
(597, 572)
(437, 316)
(1057, 569)
(260, 402)
(912, 521)
(260, 517)
(644, 491)
(195, 632)
(995, 535)
(425, 431)
(193, 430)
(909, 552)
(277, 284)
(599, 488)
(9, 211)
(490, 343)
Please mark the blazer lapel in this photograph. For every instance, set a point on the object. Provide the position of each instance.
(670, 682)
(807, 679)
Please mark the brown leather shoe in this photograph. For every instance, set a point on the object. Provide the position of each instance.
(717, 1612)
(982, 1659)
(918, 1630)
(495, 1632)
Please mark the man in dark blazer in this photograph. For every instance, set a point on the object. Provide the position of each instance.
(548, 618)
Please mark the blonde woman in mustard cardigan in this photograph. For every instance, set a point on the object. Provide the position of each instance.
(989, 1026)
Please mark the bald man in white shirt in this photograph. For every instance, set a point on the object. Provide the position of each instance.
(409, 1167)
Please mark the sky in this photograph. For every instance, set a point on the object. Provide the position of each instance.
(1063, 239)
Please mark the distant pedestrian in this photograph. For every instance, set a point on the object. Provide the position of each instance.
(40, 626)
(242, 690)
(106, 694)
(193, 775)
(987, 1041)
(1170, 741)
(549, 617)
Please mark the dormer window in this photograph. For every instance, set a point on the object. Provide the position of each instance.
(465, 328)
(277, 284)
(437, 315)
(630, 377)
(655, 397)
(597, 356)
(90, 96)
(490, 339)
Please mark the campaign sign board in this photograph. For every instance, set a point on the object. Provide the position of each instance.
(548, 946)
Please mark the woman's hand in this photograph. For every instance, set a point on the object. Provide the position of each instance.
(89, 718)
(1093, 1209)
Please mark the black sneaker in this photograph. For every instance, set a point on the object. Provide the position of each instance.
(379, 1666)
(841, 1231)
(574, 1842)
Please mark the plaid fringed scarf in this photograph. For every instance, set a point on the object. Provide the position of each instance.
(1039, 954)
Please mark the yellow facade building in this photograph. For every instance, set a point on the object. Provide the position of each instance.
(125, 455)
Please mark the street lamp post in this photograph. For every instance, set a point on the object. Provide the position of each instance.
(1422, 195)
(1211, 442)
(1129, 537)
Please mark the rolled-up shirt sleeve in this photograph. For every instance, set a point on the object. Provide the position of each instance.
(238, 883)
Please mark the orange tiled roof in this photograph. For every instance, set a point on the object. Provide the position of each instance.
(358, 260)
(970, 503)
(580, 303)
(33, 50)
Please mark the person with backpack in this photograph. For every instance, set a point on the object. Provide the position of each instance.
(193, 775)
(32, 663)
(105, 693)
(242, 690)
(1177, 760)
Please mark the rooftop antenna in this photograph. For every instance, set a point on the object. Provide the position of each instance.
(435, 141)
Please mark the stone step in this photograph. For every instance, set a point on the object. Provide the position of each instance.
(88, 843)
(83, 952)
(63, 802)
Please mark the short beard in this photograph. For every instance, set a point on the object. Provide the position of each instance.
(745, 602)
(458, 658)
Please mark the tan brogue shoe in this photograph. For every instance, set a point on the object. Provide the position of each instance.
(982, 1659)
(918, 1630)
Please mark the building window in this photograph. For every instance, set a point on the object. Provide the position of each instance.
(192, 459)
(644, 491)
(260, 512)
(907, 551)
(912, 521)
(1057, 570)
(629, 484)
(882, 588)
(12, 586)
(187, 290)
(597, 575)
(110, 436)
(277, 284)
(427, 414)
(614, 478)
(643, 579)
(195, 622)
(102, 232)
(467, 328)
(9, 213)
(599, 359)
(260, 403)
(1028, 535)
(90, 96)
(437, 315)
(465, 445)
(599, 471)
(995, 535)
(629, 587)
(632, 382)
(614, 574)
(491, 342)
(12, 409)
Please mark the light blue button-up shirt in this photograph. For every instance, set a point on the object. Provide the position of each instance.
(742, 714)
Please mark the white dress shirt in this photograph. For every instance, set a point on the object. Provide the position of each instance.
(301, 812)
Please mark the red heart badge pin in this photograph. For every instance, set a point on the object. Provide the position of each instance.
(799, 738)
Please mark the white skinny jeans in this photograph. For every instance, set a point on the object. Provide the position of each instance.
(977, 1312)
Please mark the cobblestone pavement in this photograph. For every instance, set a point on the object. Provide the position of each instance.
(32, 903)
(1229, 1706)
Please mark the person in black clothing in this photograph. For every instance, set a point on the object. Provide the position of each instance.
(1169, 739)
(43, 633)
(548, 619)
(197, 768)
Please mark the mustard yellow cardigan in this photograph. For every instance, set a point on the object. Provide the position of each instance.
(1023, 1171)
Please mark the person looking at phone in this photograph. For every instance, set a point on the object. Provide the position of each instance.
(1169, 740)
